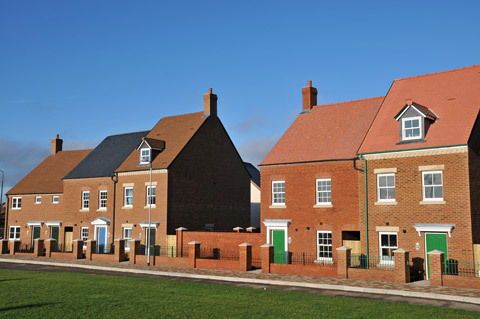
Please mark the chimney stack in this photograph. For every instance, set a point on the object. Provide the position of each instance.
(56, 145)
(309, 97)
(210, 104)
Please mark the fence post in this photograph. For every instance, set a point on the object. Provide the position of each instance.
(245, 256)
(437, 267)
(267, 257)
(343, 261)
(77, 249)
(91, 248)
(402, 270)
(14, 246)
(193, 253)
(38, 247)
(179, 232)
(134, 246)
(50, 244)
(3, 246)
(119, 249)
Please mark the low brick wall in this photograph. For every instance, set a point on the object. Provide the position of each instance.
(57, 254)
(23, 254)
(218, 264)
(171, 261)
(372, 274)
(461, 281)
(104, 257)
(307, 270)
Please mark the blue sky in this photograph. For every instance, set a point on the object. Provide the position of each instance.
(88, 69)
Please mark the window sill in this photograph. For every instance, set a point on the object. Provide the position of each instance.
(127, 207)
(277, 206)
(385, 203)
(55, 203)
(84, 210)
(322, 206)
(101, 210)
(16, 208)
(153, 206)
(432, 202)
(326, 261)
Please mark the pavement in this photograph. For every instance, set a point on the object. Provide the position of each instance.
(413, 293)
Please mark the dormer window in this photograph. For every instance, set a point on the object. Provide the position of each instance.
(411, 128)
(145, 156)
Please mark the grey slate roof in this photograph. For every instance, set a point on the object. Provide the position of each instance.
(254, 173)
(107, 156)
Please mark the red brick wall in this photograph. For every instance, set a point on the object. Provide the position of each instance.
(300, 197)
(320, 271)
(371, 274)
(218, 264)
(474, 170)
(460, 281)
(208, 183)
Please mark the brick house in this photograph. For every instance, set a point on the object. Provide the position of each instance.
(198, 181)
(309, 182)
(421, 157)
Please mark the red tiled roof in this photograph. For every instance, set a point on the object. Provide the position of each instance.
(46, 178)
(176, 131)
(333, 131)
(454, 97)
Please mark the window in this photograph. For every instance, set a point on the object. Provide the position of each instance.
(127, 235)
(55, 200)
(128, 197)
(85, 200)
(38, 199)
(278, 193)
(84, 236)
(16, 202)
(102, 200)
(151, 195)
(14, 233)
(144, 156)
(386, 187)
(411, 128)
(324, 191)
(324, 245)
(432, 186)
(388, 243)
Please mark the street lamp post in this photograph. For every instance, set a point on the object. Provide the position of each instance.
(149, 198)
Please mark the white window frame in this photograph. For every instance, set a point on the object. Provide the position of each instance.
(318, 245)
(436, 199)
(102, 202)
(145, 158)
(85, 200)
(16, 233)
(387, 260)
(125, 196)
(55, 199)
(317, 192)
(148, 196)
(83, 237)
(127, 239)
(386, 187)
(38, 199)
(16, 203)
(273, 193)
(404, 135)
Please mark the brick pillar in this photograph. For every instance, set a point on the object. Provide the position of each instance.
(245, 257)
(180, 231)
(77, 249)
(193, 253)
(134, 246)
(402, 270)
(267, 257)
(437, 267)
(91, 248)
(119, 249)
(3, 246)
(14, 246)
(343, 261)
(38, 247)
(50, 245)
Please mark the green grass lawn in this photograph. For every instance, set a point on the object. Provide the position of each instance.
(25, 294)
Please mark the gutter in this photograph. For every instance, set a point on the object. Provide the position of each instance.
(114, 180)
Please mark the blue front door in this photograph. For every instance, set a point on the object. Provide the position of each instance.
(102, 240)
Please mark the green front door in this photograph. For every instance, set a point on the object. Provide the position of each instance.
(278, 240)
(54, 234)
(435, 242)
(35, 234)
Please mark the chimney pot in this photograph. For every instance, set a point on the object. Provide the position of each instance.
(57, 144)
(309, 94)
(210, 103)
(409, 102)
